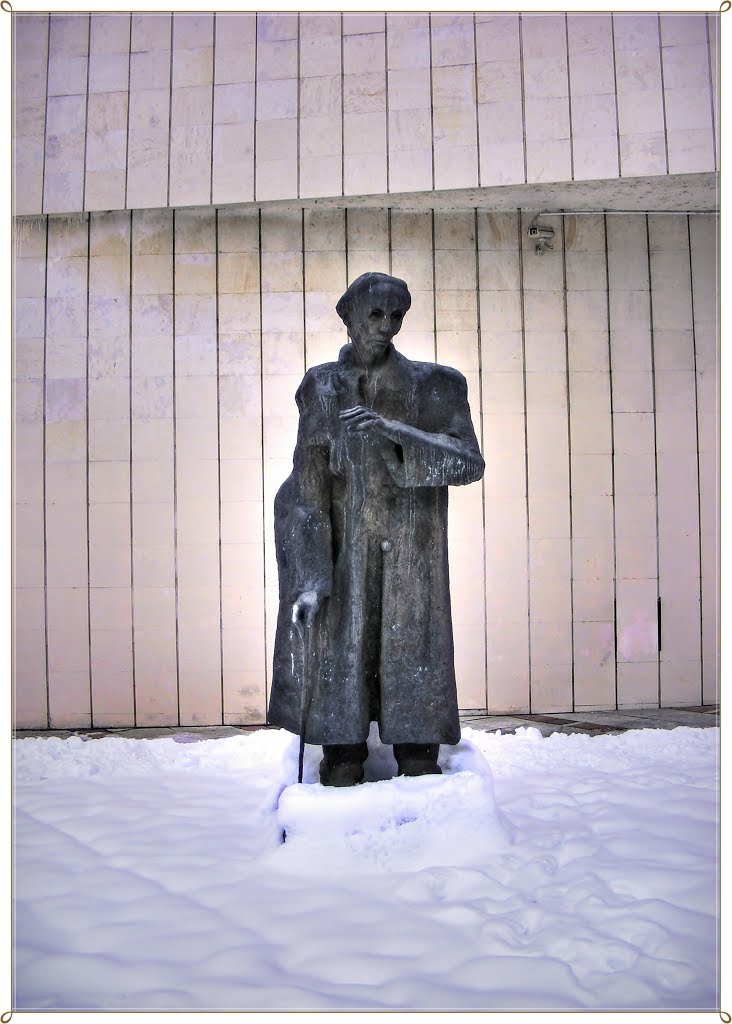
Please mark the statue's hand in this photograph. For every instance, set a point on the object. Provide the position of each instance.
(304, 610)
(360, 418)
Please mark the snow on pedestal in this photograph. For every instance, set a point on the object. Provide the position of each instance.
(428, 821)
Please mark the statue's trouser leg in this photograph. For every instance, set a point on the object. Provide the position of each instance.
(342, 763)
(417, 758)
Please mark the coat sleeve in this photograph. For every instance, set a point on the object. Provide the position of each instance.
(309, 540)
(449, 456)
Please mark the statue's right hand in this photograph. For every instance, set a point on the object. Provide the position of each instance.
(304, 610)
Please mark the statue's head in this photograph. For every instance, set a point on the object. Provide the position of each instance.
(373, 309)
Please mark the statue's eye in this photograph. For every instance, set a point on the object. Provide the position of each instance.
(376, 314)
(397, 314)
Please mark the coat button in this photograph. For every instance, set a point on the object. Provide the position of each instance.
(386, 545)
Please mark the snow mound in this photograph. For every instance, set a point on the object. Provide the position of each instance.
(423, 822)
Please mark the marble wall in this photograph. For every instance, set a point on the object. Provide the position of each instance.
(156, 357)
(133, 111)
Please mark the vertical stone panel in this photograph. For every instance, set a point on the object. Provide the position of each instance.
(283, 366)
(325, 282)
(364, 131)
(500, 101)
(641, 117)
(634, 461)
(110, 555)
(550, 555)
(30, 58)
(241, 469)
(686, 86)
(677, 460)
(29, 621)
(197, 511)
(66, 474)
(412, 260)
(593, 559)
(320, 132)
(504, 450)
(276, 139)
(544, 70)
(593, 102)
(149, 117)
(63, 186)
(409, 79)
(191, 110)
(233, 129)
(454, 113)
(703, 232)
(458, 346)
(153, 459)
(109, 83)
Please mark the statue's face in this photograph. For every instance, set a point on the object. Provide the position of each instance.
(376, 317)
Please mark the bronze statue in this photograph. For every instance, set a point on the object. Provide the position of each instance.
(361, 539)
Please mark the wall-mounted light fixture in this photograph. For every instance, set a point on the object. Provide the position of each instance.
(543, 235)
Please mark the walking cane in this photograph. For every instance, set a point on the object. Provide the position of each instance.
(304, 631)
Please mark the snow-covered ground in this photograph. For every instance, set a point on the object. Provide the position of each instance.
(561, 873)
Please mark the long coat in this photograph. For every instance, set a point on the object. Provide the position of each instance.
(362, 521)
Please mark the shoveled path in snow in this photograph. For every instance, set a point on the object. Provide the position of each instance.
(152, 875)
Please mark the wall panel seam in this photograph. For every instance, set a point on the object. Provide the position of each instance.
(477, 125)
(218, 450)
(132, 504)
(264, 481)
(571, 134)
(698, 464)
(617, 138)
(482, 444)
(175, 478)
(612, 459)
(711, 87)
(170, 143)
(523, 139)
(655, 443)
(211, 163)
(569, 446)
(45, 128)
(526, 434)
(432, 131)
(43, 473)
(88, 535)
(663, 92)
(127, 159)
(86, 132)
(386, 112)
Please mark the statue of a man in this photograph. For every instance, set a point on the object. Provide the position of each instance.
(361, 538)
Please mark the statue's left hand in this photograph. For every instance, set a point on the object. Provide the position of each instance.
(360, 418)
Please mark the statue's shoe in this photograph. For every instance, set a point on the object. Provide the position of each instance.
(414, 768)
(340, 774)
